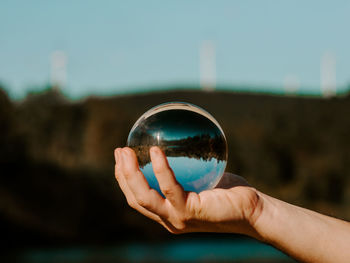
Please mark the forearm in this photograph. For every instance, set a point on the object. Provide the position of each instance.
(301, 233)
(305, 235)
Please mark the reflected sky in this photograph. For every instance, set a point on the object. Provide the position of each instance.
(193, 174)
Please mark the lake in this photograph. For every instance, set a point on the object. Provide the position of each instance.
(193, 250)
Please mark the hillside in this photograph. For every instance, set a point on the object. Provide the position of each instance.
(57, 162)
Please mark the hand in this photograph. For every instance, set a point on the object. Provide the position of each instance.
(234, 209)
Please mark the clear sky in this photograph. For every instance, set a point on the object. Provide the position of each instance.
(118, 46)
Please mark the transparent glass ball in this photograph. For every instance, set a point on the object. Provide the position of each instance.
(192, 140)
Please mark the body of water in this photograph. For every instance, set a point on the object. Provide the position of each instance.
(196, 250)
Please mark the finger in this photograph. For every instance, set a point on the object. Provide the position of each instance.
(171, 189)
(117, 167)
(128, 194)
(145, 197)
(116, 155)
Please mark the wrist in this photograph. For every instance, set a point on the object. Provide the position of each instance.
(270, 218)
(254, 215)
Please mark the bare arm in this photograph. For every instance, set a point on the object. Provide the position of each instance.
(304, 234)
(301, 233)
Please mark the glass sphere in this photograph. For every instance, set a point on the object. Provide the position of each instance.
(192, 140)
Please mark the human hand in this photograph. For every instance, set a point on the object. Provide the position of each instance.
(223, 209)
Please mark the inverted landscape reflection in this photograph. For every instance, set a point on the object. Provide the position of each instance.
(201, 176)
(192, 140)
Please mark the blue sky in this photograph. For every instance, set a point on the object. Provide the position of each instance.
(119, 46)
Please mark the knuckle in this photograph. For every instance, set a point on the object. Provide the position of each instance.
(143, 202)
(132, 203)
(180, 223)
(195, 209)
(160, 169)
(174, 231)
(172, 228)
(172, 189)
(180, 227)
(127, 175)
(128, 151)
(186, 218)
(117, 176)
(168, 191)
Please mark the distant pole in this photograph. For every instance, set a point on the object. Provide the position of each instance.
(328, 75)
(207, 65)
(58, 74)
(291, 84)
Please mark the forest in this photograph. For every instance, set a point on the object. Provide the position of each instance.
(57, 181)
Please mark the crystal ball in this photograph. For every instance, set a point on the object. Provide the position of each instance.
(192, 140)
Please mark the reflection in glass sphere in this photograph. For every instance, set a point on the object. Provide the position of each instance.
(190, 137)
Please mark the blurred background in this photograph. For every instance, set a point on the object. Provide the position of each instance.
(76, 75)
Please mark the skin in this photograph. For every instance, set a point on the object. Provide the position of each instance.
(238, 208)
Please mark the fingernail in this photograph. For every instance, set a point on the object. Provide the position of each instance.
(154, 150)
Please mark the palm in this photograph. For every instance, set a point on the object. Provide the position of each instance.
(228, 206)
(233, 200)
